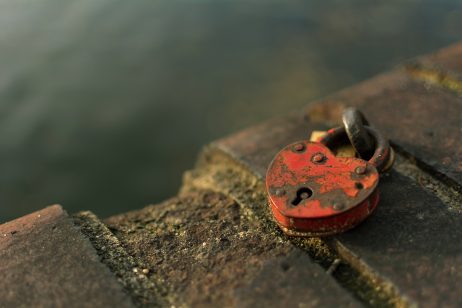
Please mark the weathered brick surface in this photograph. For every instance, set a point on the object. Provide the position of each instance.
(413, 241)
(206, 251)
(130, 273)
(411, 246)
(47, 262)
(290, 281)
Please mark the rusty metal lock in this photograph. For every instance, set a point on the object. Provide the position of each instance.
(314, 193)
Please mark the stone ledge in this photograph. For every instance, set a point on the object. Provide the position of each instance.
(132, 274)
(207, 251)
(415, 230)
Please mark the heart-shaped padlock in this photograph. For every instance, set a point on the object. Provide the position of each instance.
(314, 193)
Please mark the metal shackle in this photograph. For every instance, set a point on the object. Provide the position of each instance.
(382, 158)
(354, 122)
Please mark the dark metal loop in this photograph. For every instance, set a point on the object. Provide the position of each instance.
(355, 122)
(382, 153)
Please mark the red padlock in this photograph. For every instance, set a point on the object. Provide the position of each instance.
(314, 193)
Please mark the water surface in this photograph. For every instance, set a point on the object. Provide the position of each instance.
(103, 104)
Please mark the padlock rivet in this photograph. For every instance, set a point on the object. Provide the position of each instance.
(299, 147)
(318, 158)
(360, 170)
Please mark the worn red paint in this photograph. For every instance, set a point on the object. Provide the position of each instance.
(315, 198)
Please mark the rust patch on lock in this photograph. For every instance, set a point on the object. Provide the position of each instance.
(315, 193)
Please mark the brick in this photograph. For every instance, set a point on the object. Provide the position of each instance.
(410, 246)
(412, 242)
(47, 262)
(144, 292)
(207, 251)
(288, 281)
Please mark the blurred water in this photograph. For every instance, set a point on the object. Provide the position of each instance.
(103, 104)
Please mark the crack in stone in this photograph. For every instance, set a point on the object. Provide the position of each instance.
(131, 274)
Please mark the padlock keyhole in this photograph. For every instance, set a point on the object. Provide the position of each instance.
(302, 194)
